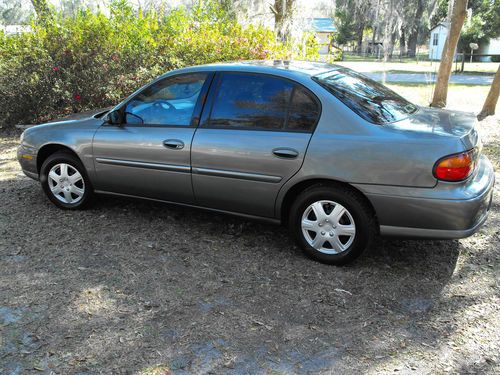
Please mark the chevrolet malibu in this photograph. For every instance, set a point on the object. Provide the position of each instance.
(333, 155)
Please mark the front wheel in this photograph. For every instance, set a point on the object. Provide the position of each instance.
(65, 182)
(332, 224)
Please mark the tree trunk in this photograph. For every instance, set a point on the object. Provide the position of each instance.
(386, 41)
(375, 28)
(457, 21)
(283, 12)
(412, 43)
(361, 28)
(491, 100)
(402, 42)
(394, 36)
(413, 37)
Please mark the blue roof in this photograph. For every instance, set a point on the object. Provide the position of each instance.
(322, 25)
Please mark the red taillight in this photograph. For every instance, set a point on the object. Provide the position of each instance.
(456, 167)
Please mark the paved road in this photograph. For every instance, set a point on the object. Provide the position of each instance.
(464, 79)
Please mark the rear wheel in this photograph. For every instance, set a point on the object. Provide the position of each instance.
(65, 182)
(332, 224)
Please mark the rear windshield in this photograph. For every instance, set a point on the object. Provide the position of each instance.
(369, 99)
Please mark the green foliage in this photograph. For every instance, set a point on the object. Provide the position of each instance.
(484, 24)
(440, 13)
(94, 60)
(336, 54)
(346, 26)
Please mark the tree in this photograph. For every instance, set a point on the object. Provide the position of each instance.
(390, 28)
(283, 14)
(42, 10)
(346, 26)
(440, 12)
(413, 26)
(483, 25)
(351, 17)
(491, 100)
(457, 18)
(13, 12)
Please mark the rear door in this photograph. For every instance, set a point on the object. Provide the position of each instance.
(252, 138)
(149, 154)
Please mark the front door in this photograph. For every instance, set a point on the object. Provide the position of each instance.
(149, 154)
(253, 138)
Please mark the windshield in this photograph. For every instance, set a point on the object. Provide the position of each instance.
(369, 99)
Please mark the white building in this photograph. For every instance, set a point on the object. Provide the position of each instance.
(15, 29)
(437, 39)
(491, 47)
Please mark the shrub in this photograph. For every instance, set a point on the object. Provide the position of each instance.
(92, 60)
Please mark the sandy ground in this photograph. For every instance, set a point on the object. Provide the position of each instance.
(131, 287)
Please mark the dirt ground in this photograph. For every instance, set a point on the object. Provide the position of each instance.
(132, 287)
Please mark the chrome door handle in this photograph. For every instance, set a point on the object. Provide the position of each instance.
(285, 153)
(174, 144)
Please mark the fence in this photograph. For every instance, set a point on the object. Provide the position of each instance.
(461, 58)
(378, 54)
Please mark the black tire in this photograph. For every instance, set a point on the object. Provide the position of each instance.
(358, 209)
(67, 158)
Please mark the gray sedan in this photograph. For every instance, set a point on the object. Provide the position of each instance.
(333, 155)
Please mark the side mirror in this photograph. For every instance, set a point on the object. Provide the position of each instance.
(114, 118)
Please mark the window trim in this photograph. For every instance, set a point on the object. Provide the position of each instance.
(435, 39)
(198, 107)
(209, 104)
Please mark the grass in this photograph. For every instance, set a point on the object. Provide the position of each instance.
(419, 57)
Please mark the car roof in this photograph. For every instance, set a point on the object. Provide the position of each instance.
(278, 67)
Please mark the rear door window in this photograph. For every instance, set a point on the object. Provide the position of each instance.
(251, 101)
(262, 102)
(304, 111)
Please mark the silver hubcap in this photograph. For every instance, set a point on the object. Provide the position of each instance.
(328, 227)
(66, 183)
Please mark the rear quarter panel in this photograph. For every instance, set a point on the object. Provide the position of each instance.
(346, 148)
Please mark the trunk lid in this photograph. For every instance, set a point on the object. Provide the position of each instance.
(444, 123)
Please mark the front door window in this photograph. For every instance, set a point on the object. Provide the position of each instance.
(170, 101)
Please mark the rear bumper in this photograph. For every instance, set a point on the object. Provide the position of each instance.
(424, 233)
(447, 211)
